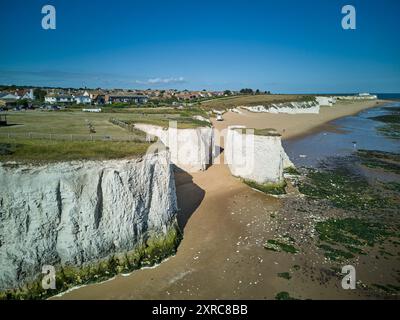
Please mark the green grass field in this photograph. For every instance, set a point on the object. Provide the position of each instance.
(57, 122)
(252, 100)
(67, 135)
(40, 151)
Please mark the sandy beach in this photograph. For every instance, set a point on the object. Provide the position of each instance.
(295, 125)
(225, 225)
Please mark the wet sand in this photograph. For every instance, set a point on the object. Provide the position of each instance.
(225, 225)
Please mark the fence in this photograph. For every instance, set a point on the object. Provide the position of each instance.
(74, 137)
(122, 124)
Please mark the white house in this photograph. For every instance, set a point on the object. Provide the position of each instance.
(28, 95)
(58, 99)
(83, 99)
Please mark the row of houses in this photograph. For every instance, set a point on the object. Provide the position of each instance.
(97, 98)
(20, 94)
(100, 96)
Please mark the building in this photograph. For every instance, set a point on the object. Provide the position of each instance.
(29, 95)
(9, 97)
(126, 98)
(26, 94)
(98, 97)
(83, 99)
(53, 98)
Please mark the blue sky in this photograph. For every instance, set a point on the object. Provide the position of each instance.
(281, 46)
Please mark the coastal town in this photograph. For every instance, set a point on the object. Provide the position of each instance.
(205, 157)
(22, 98)
(19, 97)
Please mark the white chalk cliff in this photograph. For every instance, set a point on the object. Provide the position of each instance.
(77, 212)
(191, 149)
(286, 107)
(260, 158)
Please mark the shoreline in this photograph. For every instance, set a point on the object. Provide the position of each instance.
(330, 127)
(294, 126)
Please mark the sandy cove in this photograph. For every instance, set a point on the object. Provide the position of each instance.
(225, 226)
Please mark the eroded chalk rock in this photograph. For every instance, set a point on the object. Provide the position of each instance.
(78, 212)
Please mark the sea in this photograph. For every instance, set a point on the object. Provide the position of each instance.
(354, 132)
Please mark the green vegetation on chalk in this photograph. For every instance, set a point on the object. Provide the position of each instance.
(343, 184)
(283, 295)
(393, 186)
(269, 188)
(355, 250)
(292, 171)
(389, 118)
(296, 267)
(267, 132)
(285, 275)
(391, 127)
(280, 246)
(391, 130)
(380, 160)
(392, 109)
(343, 188)
(350, 234)
(352, 231)
(335, 254)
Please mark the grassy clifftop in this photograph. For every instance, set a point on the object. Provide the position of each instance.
(37, 136)
(37, 151)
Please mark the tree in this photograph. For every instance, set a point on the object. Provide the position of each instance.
(246, 91)
(227, 92)
(24, 103)
(39, 94)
